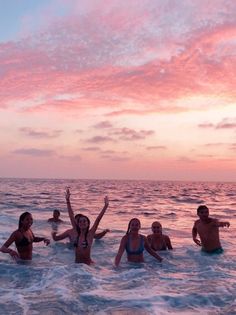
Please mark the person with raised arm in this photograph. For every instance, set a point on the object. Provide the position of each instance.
(23, 238)
(72, 233)
(208, 230)
(134, 244)
(86, 235)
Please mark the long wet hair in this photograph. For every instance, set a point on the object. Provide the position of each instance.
(128, 230)
(78, 217)
(22, 217)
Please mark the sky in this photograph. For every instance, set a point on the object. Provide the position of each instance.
(111, 89)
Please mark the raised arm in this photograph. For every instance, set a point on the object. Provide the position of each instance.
(194, 235)
(5, 249)
(120, 250)
(69, 208)
(101, 214)
(151, 251)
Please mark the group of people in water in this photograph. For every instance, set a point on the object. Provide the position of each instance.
(81, 236)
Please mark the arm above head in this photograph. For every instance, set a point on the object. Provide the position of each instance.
(120, 250)
(69, 208)
(5, 249)
(151, 251)
(101, 214)
(194, 235)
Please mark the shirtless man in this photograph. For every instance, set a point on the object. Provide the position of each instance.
(208, 230)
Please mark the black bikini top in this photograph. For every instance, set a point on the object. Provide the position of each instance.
(24, 241)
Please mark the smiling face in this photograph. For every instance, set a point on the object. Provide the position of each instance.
(134, 225)
(157, 228)
(83, 222)
(27, 222)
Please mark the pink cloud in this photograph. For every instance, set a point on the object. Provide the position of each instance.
(156, 147)
(40, 133)
(131, 134)
(124, 55)
(34, 152)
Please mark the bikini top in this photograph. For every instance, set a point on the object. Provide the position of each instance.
(24, 241)
(84, 243)
(137, 251)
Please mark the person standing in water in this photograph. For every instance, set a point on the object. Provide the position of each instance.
(134, 244)
(208, 230)
(85, 234)
(72, 233)
(23, 238)
(55, 218)
(157, 240)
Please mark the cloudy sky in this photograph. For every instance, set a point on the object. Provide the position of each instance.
(138, 89)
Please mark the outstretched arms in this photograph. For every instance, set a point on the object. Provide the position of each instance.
(223, 224)
(41, 239)
(100, 235)
(61, 236)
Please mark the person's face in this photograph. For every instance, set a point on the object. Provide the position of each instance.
(56, 214)
(83, 223)
(27, 222)
(203, 214)
(134, 225)
(156, 228)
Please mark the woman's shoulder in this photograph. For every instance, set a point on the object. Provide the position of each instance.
(143, 236)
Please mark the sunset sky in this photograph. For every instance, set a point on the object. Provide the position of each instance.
(137, 89)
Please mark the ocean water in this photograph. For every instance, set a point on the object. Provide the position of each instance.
(186, 282)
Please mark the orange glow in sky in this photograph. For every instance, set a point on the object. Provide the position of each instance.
(118, 89)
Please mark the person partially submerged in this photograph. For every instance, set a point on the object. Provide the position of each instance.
(134, 244)
(72, 234)
(56, 217)
(157, 240)
(23, 238)
(208, 230)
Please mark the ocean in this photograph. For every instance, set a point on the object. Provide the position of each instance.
(188, 281)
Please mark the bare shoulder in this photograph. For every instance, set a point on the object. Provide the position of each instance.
(16, 234)
(196, 222)
(166, 237)
(124, 239)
